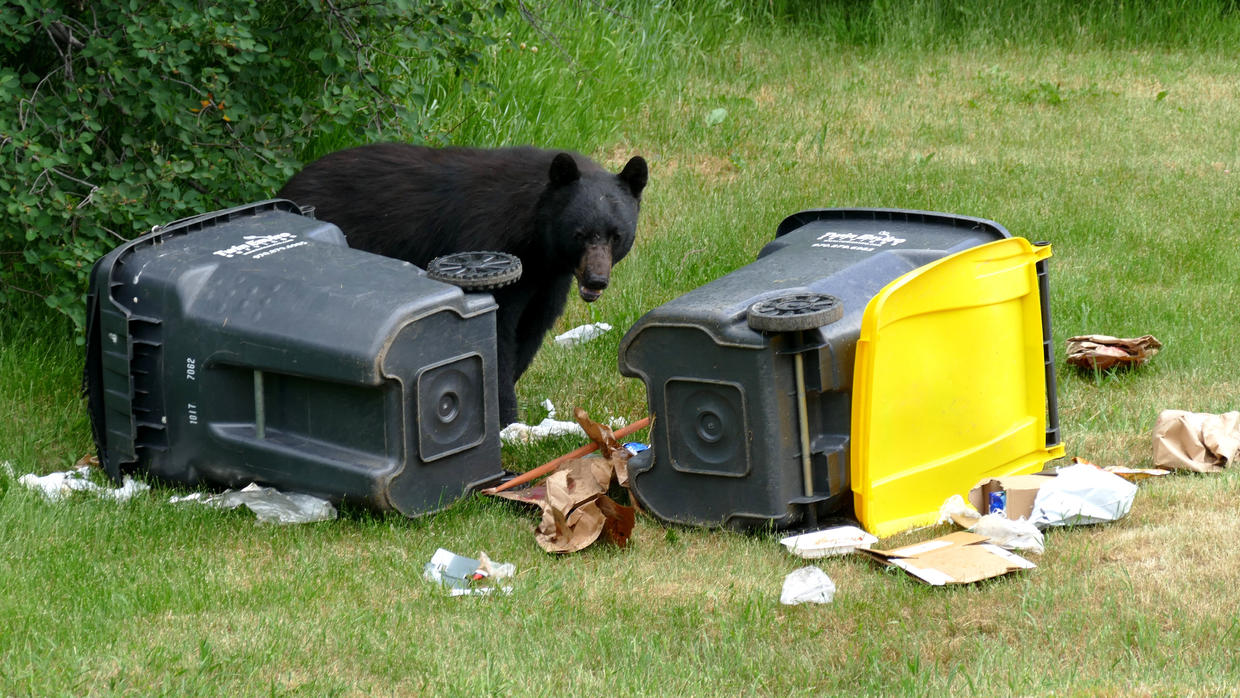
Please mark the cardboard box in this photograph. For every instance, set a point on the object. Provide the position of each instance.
(1021, 491)
(957, 558)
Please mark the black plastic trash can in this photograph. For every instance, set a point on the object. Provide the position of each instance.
(751, 378)
(252, 345)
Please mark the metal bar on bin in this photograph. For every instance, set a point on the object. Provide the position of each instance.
(807, 473)
(260, 408)
(1053, 436)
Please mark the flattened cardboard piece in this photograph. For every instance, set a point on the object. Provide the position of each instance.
(1021, 491)
(956, 558)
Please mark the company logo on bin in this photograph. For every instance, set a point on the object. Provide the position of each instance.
(258, 246)
(860, 242)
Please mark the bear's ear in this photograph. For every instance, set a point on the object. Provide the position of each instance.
(634, 175)
(564, 170)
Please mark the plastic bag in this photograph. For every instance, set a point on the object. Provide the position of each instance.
(807, 585)
(1082, 494)
(268, 504)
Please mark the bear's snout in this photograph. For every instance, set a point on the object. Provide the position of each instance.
(593, 272)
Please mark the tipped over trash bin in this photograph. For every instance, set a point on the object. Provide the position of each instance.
(252, 345)
(871, 362)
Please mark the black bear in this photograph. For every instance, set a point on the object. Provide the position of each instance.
(562, 214)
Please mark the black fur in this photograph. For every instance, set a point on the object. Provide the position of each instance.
(561, 213)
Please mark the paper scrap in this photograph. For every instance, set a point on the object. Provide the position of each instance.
(1103, 351)
(464, 576)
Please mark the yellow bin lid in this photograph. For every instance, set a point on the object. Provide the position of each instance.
(949, 384)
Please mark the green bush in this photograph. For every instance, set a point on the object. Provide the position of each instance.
(118, 116)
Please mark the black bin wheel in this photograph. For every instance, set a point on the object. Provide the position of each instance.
(475, 271)
(795, 312)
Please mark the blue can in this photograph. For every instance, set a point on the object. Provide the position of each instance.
(998, 503)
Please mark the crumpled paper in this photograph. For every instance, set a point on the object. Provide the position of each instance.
(268, 504)
(576, 510)
(1201, 442)
(1099, 351)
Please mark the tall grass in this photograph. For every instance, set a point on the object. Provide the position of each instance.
(1105, 128)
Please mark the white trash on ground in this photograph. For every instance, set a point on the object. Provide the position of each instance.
(807, 585)
(56, 486)
(268, 504)
(839, 540)
(547, 428)
(465, 576)
(582, 334)
(1012, 534)
(1082, 494)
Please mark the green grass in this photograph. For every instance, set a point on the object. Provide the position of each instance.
(1109, 132)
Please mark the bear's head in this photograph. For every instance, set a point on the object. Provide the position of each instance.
(588, 218)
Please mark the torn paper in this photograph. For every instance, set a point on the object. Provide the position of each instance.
(1204, 443)
(1103, 352)
(463, 576)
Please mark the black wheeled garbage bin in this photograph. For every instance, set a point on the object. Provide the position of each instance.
(252, 345)
(870, 363)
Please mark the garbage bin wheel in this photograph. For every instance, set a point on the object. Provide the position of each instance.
(795, 312)
(476, 271)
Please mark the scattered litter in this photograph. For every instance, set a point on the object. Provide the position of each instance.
(56, 486)
(576, 510)
(549, 427)
(465, 576)
(1082, 494)
(1013, 534)
(268, 504)
(840, 540)
(956, 558)
(1099, 351)
(807, 585)
(582, 334)
(1204, 443)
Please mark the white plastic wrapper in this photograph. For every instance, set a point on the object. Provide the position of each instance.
(807, 585)
(57, 486)
(582, 334)
(1082, 494)
(268, 504)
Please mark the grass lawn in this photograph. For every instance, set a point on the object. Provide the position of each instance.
(1120, 149)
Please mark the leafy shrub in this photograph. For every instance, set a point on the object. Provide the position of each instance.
(118, 116)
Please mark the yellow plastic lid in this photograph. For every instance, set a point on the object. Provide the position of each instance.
(949, 384)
